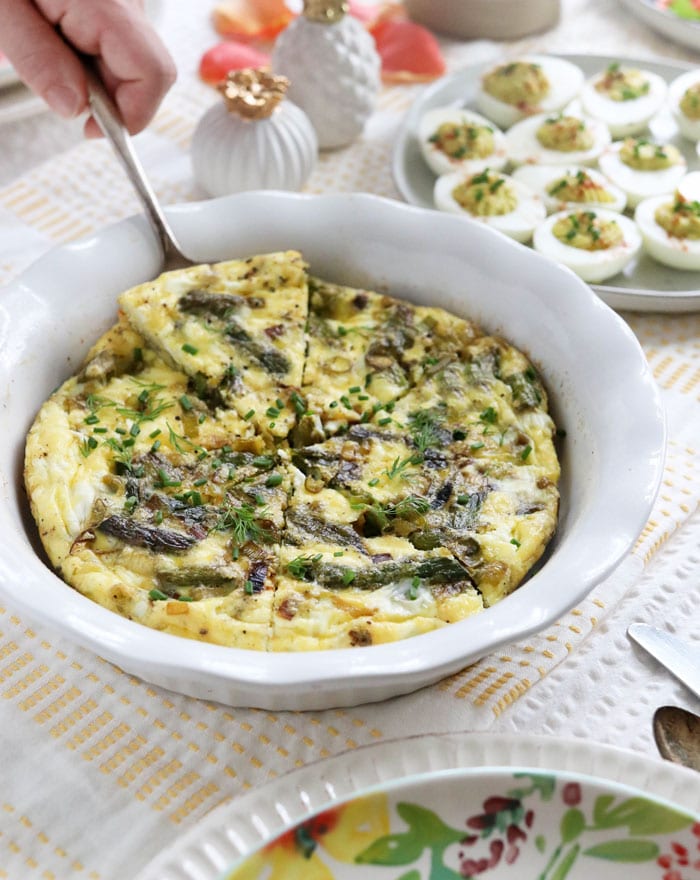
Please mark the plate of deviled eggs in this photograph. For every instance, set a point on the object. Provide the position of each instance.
(591, 160)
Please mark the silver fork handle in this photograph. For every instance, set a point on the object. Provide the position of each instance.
(109, 120)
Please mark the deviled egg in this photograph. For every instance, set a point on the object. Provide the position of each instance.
(595, 244)
(556, 140)
(642, 169)
(493, 198)
(571, 188)
(624, 98)
(453, 139)
(670, 225)
(526, 86)
(684, 100)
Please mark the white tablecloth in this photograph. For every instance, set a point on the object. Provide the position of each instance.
(101, 771)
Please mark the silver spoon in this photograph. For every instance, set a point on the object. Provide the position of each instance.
(109, 119)
(677, 735)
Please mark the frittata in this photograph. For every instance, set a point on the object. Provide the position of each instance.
(258, 458)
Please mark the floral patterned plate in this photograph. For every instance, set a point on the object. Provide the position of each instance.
(498, 824)
(449, 806)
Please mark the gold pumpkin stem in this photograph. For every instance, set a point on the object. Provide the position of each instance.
(253, 93)
(325, 11)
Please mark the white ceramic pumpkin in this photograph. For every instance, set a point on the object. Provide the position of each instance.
(253, 139)
(334, 69)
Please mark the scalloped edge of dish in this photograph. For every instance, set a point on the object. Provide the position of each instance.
(236, 828)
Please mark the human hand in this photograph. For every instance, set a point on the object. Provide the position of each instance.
(130, 57)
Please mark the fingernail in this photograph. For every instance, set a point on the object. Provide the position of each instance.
(63, 100)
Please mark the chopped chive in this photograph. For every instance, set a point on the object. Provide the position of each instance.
(476, 446)
(515, 542)
(120, 430)
(259, 499)
(363, 397)
(190, 349)
(526, 452)
(99, 430)
(249, 587)
(339, 553)
(185, 403)
(463, 499)
(157, 595)
(156, 446)
(373, 482)
(348, 576)
(249, 415)
(279, 403)
(134, 430)
(385, 421)
(92, 419)
(155, 433)
(333, 404)
(272, 412)
(355, 389)
(158, 518)
(201, 481)
(274, 480)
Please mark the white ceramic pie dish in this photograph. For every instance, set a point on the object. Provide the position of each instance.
(602, 394)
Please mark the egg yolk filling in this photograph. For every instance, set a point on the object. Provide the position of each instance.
(690, 102)
(565, 134)
(643, 155)
(680, 218)
(521, 84)
(620, 84)
(588, 232)
(486, 195)
(464, 140)
(579, 187)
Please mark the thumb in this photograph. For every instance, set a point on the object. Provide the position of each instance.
(42, 59)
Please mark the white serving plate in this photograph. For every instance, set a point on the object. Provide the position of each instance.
(645, 285)
(601, 389)
(237, 828)
(686, 32)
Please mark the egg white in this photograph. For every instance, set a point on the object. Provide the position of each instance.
(592, 266)
(636, 184)
(679, 253)
(565, 81)
(624, 118)
(518, 224)
(689, 128)
(539, 177)
(439, 161)
(524, 148)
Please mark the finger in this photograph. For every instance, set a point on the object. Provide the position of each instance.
(41, 58)
(133, 62)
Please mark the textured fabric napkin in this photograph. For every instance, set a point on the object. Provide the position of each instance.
(101, 770)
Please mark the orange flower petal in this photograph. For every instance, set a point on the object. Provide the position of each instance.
(409, 52)
(367, 13)
(251, 19)
(229, 55)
